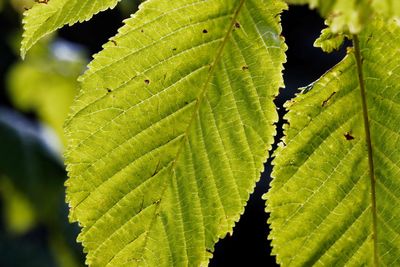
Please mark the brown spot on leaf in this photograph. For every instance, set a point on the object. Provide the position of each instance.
(245, 67)
(237, 25)
(114, 42)
(349, 136)
(327, 100)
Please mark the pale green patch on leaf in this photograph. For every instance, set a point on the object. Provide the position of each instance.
(352, 15)
(171, 129)
(325, 184)
(46, 16)
(389, 8)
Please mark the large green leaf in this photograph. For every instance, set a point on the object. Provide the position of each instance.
(334, 199)
(351, 15)
(47, 16)
(170, 132)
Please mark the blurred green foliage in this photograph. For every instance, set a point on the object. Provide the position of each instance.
(34, 226)
(19, 213)
(31, 188)
(46, 83)
(34, 230)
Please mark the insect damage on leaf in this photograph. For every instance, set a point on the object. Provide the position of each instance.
(207, 126)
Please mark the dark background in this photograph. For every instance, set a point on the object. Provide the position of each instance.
(248, 246)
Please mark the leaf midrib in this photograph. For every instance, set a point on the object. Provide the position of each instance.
(196, 110)
(367, 128)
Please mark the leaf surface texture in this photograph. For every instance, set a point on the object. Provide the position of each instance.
(171, 129)
(321, 200)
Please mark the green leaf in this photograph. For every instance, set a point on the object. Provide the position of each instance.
(46, 16)
(329, 41)
(335, 194)
(352, 15)
(171, 129)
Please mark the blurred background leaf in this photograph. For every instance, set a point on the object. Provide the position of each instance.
(46, 81)
(35, 97)
(34, 227)
(19, 214)
(20, 5)
(32, 186)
